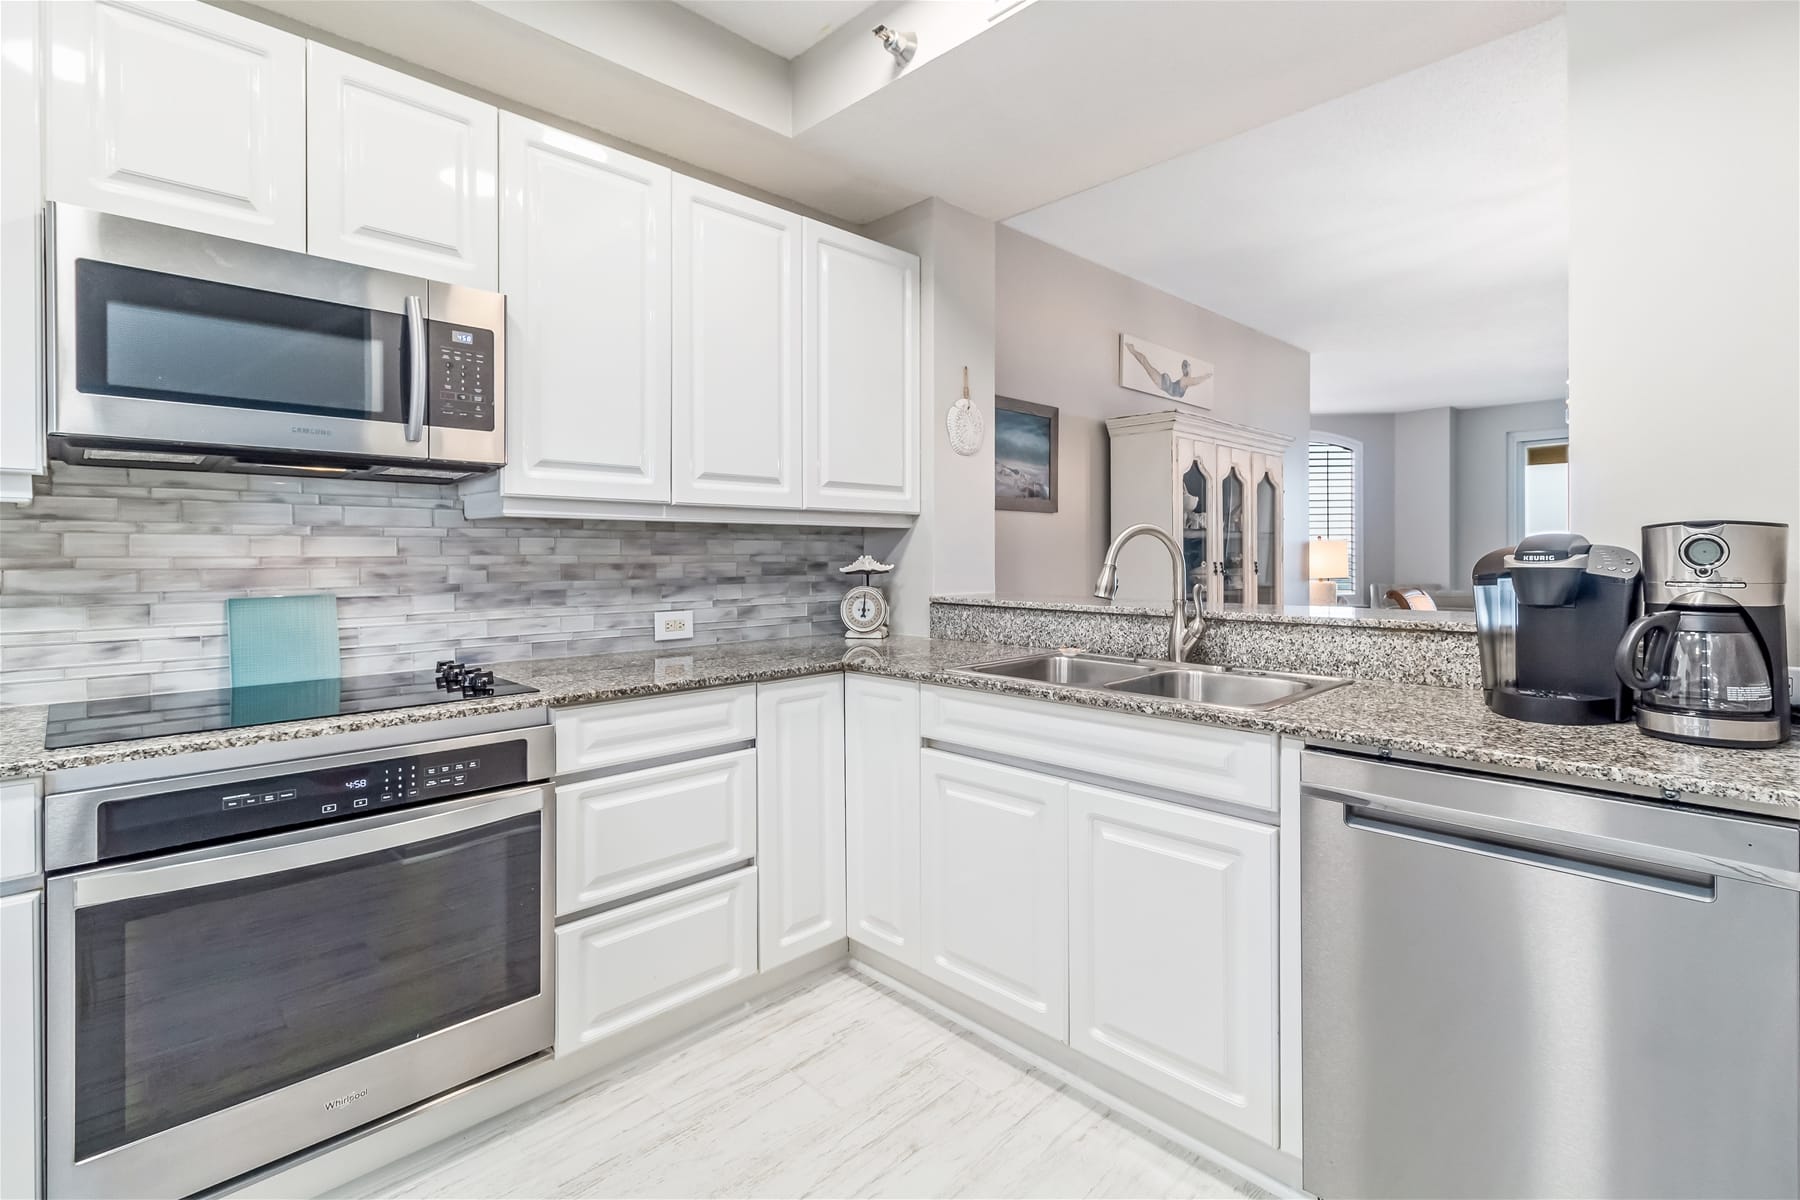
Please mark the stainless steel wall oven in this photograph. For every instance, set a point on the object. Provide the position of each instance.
(245, 963)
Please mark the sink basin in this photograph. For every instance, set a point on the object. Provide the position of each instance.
(1225, 687)
(1069, 670)
(1231, 689)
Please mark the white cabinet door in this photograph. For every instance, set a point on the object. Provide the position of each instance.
(180, 113)
(399, 172)
(862, 373)
(993, 887)
(1172, 952)
(799, 816)
(737, 392)
(623, 835)
(21, 1035)
(628, 965)
(584, 263)
(21, 200)
(881, 807)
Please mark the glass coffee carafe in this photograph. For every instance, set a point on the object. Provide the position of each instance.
(1697, 660)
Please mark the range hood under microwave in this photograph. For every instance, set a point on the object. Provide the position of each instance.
(175, 349)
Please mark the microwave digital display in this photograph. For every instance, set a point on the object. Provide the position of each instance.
(462, 337)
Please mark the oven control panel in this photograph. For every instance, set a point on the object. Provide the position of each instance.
(172, 819)
(460, 364)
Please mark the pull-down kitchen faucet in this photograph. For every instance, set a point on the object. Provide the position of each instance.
(1183, 636)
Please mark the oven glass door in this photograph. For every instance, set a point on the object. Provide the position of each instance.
(189, 1001)
(150, 335)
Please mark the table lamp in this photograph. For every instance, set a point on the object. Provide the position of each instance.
(1327, 561)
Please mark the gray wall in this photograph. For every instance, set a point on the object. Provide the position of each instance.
(1424, 499)
(1375, 555)
(950, 548)
(114, 583)
(1057, 324)
(1434, 486)
(1481, 469)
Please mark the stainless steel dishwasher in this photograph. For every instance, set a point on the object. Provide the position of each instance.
(1521, 990)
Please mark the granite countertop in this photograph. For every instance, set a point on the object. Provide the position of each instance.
(1443, 723)
(1292, 614)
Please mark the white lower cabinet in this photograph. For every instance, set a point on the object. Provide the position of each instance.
(800, 816)
(622, 835)
(993, 895)
(1172, 967)
(21, 1033)
(620, 968)
(881, 814)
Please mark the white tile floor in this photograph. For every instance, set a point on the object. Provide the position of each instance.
(841, 1088)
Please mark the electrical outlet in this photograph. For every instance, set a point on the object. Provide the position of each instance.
(674, 626)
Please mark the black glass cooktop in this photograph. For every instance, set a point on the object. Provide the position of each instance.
(130, 718)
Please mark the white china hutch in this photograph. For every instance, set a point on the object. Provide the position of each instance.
(1217, 488)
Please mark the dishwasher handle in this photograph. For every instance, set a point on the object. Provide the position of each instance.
(1604, 868)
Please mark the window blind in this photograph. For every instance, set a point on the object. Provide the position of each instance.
(1332, 499)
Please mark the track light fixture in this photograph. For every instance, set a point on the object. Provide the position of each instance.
(901, 45)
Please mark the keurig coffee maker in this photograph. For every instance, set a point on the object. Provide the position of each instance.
(1709, 656)
(1549, 612)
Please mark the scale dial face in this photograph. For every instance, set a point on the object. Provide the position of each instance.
(864, 609)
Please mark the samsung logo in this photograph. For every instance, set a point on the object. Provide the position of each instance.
(341, 1101)
(308, 429)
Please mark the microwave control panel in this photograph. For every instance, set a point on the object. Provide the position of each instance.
(192, 816)
(460, 361)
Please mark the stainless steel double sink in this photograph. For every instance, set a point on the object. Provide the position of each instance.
(1226, 687)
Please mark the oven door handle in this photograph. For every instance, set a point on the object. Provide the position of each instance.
(302, 848)
(415, 379)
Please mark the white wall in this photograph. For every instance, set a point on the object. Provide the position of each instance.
(1057, 324)
(1684, 296)
(951, 546)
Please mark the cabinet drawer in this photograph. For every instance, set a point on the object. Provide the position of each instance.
(1173, 756)
(628, 731)
(621, 835)
(624, 967)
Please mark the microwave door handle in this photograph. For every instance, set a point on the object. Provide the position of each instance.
(415, 379)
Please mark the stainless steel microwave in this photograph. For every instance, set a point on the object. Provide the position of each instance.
(170, 348)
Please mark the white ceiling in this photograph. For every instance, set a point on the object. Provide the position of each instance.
(1000, 118)
(1067, 94)
(784, 27)
(1413, 235)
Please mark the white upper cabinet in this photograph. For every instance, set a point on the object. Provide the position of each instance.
(737, 345)
(180, 113)
(584, 261)
(1172, 952)
(862, 374)
(21, 200)
(993, 892)
(400, 173)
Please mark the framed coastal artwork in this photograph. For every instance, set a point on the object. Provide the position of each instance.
(1145, 366)
(1025, 437)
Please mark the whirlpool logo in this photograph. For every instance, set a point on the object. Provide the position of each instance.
(341, 1101)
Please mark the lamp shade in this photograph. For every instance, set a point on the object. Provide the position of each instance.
(1327, 558)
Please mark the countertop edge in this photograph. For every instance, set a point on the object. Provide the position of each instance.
(942, 663)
